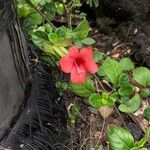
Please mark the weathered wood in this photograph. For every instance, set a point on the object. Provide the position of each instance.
(13, 68)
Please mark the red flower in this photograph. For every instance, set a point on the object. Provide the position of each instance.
(79, 64)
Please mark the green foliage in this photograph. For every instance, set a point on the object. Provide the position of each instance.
(103, 99)
(145, 92)
(74, 113)
(82, 30)
(121, 139)
(132, 105)
(84, 90)
(142, 76)
(127, 64)
(147, 113)
(111, 68)
(98, 56)
(92, 3)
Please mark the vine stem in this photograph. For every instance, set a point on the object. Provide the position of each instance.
(43, 16)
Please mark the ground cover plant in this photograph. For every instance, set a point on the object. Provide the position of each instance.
(104, 83)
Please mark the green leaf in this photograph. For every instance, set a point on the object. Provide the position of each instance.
(48, 48)
(126, 64)
(35, 19)
(103, 99)
(88, 41)
(132, 105)
(146, 137)
(79, 43)
(98, 56)
(82, 30)
(145, 92)
(120, 139)
(147, 113)
(74, 113)
(95, 100)
(126, 90)
(53, 37)
(142, 76)
(23, 10)
(123, 80)
(84, 90)
(41, 34)
(112, 70)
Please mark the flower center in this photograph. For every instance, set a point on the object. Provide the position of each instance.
(78, 62)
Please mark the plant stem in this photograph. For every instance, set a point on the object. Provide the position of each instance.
(43, 16)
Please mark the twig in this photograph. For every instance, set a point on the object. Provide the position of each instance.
(100, 83)
(32, 5)
(121, 118)
(101, 133)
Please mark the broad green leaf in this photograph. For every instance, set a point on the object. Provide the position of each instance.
(95, 100)
(142, 76)
(146, 138)
(84, 90)
(145, 92)
(98, 56)
(126, 90)
(147, 113)
(34, 19)
(135, 148)
(120, 139)
(82, 30)
(24, 10)
(112, 70)
(132, 105)
(126, 64)
(39, 37)
(48, 48)
(61, 51)
(123, 80)
(88, 41)
(53, 37)
(41, 34)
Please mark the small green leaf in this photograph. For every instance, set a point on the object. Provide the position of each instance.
(103, 99)
(95, 100)
(147, 113)
(120, 139)
(132, 105)
(53, 37)
(98, 56)
(123, 80)
(79, 43)
(126, 64)
(126, 90)
(145, 92)
(82, 30)
(88, 41)
(146, 137)
(74, 113)
(112, 70)
(142, 76)
(84, 90)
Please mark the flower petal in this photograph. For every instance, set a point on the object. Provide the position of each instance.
(74, 51)
(87, 53)
(77, 76)
(91, 66)
(66, 64)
